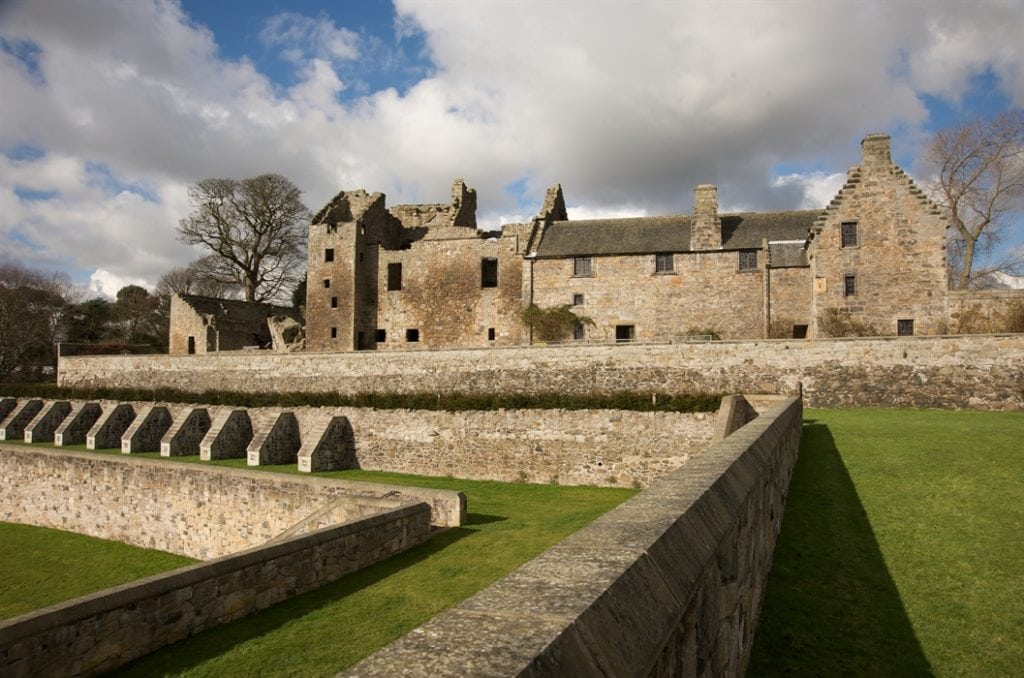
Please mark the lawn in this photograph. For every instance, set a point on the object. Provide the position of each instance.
(52, 566)
(901, 548)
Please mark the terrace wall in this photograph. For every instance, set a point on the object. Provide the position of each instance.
(983, 372)
(668, 583)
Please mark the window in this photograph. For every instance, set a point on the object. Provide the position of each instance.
(334, 333)
(490, 334)
(579, 332)
(329, 254)
(327, 283)
(394, 277)
(799, 331)
(905, 327)
(748, 260)
(412, 336)
(191, 345)
(624, 333)
(848, 234)
(332, 228)
(381, 337)
(582, 266)
(577, 300)
(488, 273)
(334, 302)
(849, 285)
(664, 263)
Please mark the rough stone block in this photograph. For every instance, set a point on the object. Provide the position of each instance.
(6, 405)
(228, 437)
(275, 440)
(187, 431)
(110, 426)
(42, 428)
(13, 426)
(76, 425)
(146, 430)
(329, 444)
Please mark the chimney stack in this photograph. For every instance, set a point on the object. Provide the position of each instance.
(876, 151)
(706, 228)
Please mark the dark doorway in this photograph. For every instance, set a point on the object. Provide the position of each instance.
(191, 345)
(799, 331)
(624, 333)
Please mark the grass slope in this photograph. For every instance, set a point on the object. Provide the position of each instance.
(52, 566)
(901, 548)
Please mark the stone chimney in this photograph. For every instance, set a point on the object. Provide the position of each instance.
(876, 151)
(706, 228)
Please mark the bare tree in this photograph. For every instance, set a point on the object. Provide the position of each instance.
(33, 310)
(256, 230)
(195, 279)
(979, 169)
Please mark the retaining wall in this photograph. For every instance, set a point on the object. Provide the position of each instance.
(668, 583)
(198, 511)
(985, 372)
(100, 632)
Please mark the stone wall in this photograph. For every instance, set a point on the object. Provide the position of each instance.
(984, 372)
(202, 512)
(626, 290)
(669, 583)
(102, 631)
(996, 310)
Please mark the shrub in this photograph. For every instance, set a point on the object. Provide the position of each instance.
(552, 324)
(839, 322)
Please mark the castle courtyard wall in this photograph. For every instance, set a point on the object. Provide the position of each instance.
(984, 372)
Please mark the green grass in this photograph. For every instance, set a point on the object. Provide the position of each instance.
(53, 565)
(902, 548)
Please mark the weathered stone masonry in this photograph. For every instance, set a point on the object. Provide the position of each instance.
(984, 372)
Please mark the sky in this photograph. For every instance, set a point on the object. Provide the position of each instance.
(110, 109)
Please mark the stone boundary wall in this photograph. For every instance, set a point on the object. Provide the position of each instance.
(102, 631)
(983, 372)
(668, 583)
(191, 509)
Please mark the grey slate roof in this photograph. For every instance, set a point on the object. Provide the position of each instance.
(645, 235)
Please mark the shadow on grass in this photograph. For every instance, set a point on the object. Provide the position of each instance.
(831, 606)
(195, 650)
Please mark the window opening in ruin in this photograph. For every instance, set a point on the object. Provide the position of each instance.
(334, 333)
(334, 302)
(394, 277)
(488, 273)
(799, 331)
(849, 285)
(577, 300)
(412, 336)
(905, 327)
(382, 336)
(848, 233)
(664, 263)
(579, 332)
(490, 334)
(327, 283)
(582, 266)
(624, 333)
(748, 260)
(191, 345)
(329, 254)
(332, 228)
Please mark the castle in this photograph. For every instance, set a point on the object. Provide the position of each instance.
(423, 275)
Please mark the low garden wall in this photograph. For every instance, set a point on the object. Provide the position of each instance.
(668, 583)
(984, 372)
(100, 632)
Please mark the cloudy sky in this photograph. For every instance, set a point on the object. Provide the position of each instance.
(109, 109)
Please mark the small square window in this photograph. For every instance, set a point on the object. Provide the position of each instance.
(394, 277)
(664, 263)
(582, 266)
(849, 285)
(334, 333)
(625, 333)
(748, 260)
(327, 283)
(332, 228)
(488, 273)
(848, 234)
(412, 336)
(329, 254)
(905, 327)
(577, 300)
(490, 334)
(381, 336)
(334, 302)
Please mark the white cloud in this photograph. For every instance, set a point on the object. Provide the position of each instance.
(817, 188)
(629, 110)
(106, 284)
